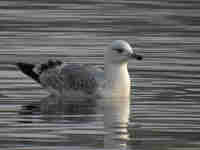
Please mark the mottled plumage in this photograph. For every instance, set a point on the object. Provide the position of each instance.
(84, 80)
(68, 77)
(60, 78)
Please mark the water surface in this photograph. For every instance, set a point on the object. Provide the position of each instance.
(164, 110)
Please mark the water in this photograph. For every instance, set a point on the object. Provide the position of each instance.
(164, 109)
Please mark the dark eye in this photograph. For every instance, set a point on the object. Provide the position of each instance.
(119, 50)
(133, 45)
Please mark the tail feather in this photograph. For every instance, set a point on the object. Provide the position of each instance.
(27, 69)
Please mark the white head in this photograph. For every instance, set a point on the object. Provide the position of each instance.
(120, 52)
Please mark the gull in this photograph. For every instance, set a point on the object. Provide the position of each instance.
(76, 80)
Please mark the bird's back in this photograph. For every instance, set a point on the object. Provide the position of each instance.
(59, 78)
(74, 77)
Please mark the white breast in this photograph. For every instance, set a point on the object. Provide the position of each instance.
(117, 82)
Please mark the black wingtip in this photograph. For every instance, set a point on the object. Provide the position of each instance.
(27, 69)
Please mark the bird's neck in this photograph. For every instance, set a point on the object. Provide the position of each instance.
(117, 78)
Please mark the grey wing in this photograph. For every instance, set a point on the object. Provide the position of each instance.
(84, 78)
(71, 77)
(52, 80)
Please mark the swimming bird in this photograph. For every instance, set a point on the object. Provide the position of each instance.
(73, 80)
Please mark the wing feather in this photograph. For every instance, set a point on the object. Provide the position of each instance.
(71, 77)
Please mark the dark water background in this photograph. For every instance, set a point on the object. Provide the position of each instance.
(165, 86)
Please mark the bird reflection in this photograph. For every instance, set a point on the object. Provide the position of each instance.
(116, 117)
(115, 112)
(52, 105)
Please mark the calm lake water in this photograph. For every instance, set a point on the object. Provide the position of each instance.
(165, 106)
